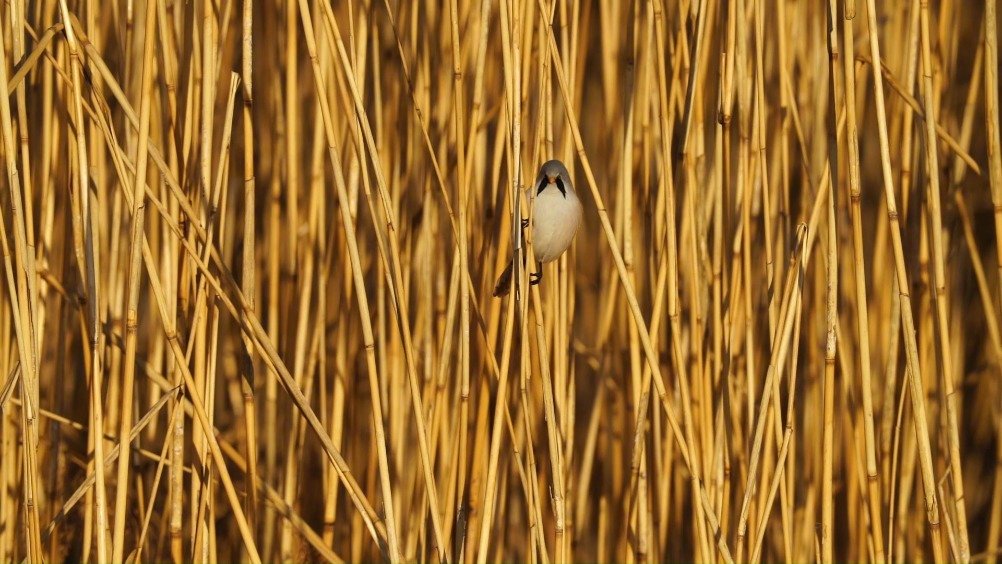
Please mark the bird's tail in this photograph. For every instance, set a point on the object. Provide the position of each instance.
(503, 285)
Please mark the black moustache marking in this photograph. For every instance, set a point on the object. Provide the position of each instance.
(545, 182)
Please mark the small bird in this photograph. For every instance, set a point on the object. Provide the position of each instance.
(556, 216)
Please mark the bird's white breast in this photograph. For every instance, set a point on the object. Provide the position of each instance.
(556, 218)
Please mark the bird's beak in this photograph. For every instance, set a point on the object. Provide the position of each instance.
(550, 179)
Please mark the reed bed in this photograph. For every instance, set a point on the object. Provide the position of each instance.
(249, 248)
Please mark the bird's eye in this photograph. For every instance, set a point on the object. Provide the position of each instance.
(560, 186)
(542, 185)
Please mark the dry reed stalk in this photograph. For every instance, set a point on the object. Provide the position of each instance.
(715, 142)
(908, 326)
(994, 149)
(827, 529)
(939, 292)
(135, 265)
(873, 496)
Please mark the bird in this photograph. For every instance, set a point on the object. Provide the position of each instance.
(556, 216)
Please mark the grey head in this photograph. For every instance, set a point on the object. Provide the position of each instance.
(553, 175)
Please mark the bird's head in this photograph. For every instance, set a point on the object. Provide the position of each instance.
(554, 173)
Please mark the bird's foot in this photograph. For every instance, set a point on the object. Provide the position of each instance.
(525, 223)
(535, 278)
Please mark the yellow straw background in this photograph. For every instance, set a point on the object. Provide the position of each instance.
(249, 248)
